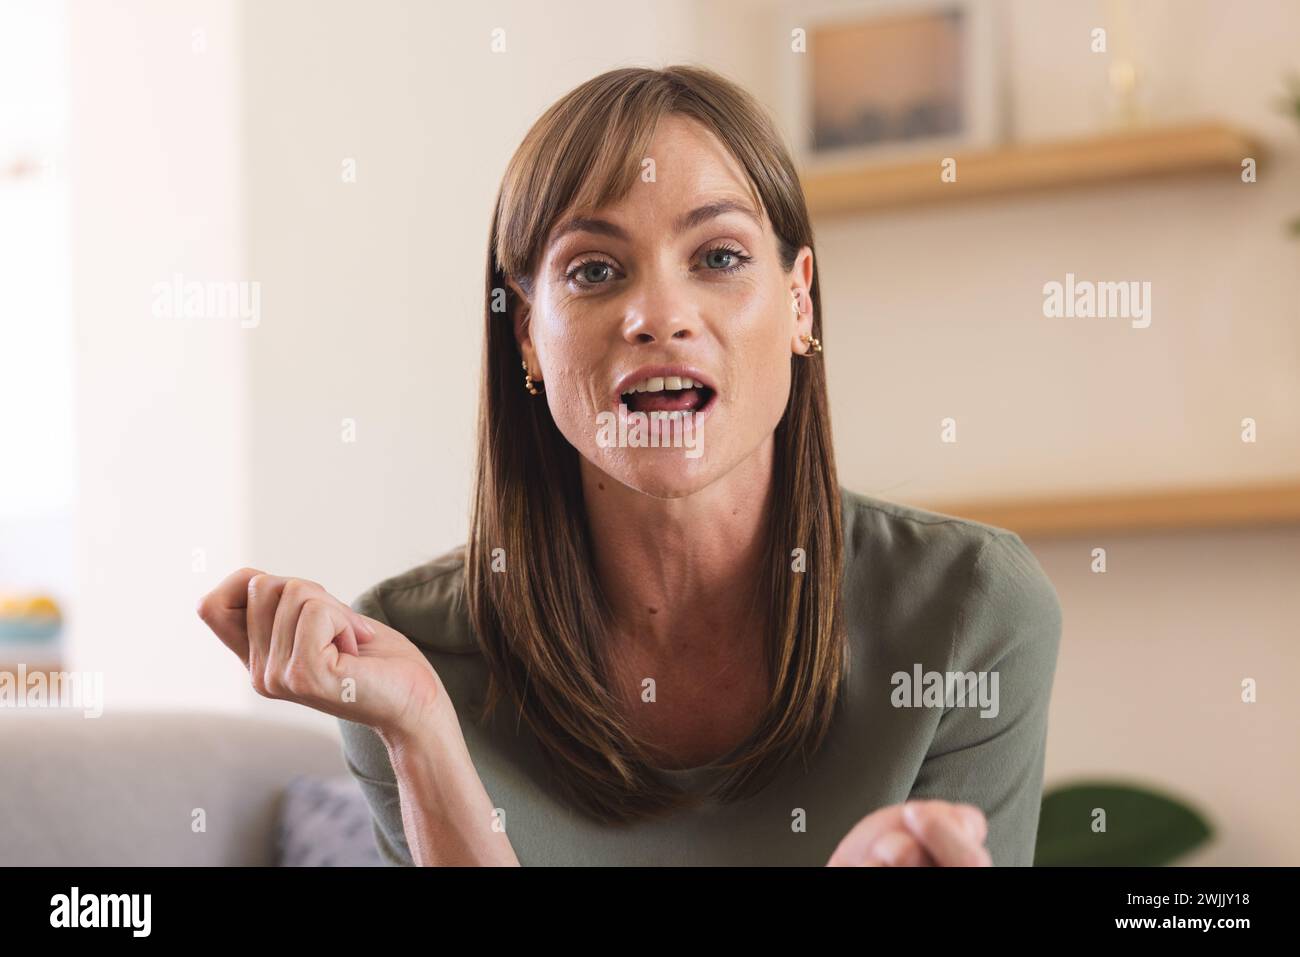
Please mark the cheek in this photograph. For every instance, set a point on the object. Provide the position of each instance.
(763, 319)
(771, 380)
(774, 390)
(572, 417)
(763, 351)
(573, 393)
(760, 401)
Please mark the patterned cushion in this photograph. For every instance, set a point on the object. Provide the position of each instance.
(325, 822)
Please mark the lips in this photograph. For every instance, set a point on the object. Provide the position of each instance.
(665, 389)
(631, 380)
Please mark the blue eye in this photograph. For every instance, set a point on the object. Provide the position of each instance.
(584, 275)
(738, 259)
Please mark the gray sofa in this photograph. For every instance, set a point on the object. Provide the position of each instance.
(124, 789)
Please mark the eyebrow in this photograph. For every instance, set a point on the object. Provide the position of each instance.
(684, 222)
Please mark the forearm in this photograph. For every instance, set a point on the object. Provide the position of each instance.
(447, 814)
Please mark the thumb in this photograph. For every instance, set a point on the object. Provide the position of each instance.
(364, 628)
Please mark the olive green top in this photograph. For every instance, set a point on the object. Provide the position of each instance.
(953, 629)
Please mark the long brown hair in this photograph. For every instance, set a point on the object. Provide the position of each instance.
(542, 621)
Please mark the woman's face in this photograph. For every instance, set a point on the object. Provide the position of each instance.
(680, 280)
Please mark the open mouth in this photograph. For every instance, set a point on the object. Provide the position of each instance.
(668, 394)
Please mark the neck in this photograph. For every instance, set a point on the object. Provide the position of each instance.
(680, 573)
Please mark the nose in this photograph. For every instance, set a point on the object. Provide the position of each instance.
(660, 313)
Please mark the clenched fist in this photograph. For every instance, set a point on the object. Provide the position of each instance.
(301, 644)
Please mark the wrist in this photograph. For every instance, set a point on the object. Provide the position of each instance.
(429, 712)
(429, 729)
(447, 813)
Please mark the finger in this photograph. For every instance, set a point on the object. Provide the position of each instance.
(334, 631)
(976, 823)
(361, 630)
(312, 669)
(347, 641)
(898, 849)
(364, 627)
(228, 624)
(263, 599)
(944, 834)
(854, 848)
(293, 593)
(223, 610)
(941, 834)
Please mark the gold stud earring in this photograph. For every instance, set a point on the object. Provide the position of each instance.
(528, 380)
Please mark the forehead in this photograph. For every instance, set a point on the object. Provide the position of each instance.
(689, 157)
(691, 169)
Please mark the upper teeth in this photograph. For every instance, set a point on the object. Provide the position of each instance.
(660, 383)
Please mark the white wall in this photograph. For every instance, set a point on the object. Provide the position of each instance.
(37, 482)
(161, 433)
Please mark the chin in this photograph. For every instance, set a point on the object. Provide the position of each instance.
(659, 473)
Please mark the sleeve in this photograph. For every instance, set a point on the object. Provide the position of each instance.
(991, 755)
(366, 758)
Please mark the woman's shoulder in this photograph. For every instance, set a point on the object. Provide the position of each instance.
(426, 603)
(875, 527)
(867, 508)
(902, 556)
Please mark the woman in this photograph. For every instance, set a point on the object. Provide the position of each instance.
(704, 652)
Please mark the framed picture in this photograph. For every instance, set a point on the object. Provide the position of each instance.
(891, 79)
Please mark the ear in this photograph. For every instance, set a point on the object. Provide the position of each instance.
(799, 284)
(522, 326)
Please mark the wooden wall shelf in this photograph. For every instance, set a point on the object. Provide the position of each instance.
(1160, 151)
(1213, 507)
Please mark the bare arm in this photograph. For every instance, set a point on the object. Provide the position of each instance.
(447, 815)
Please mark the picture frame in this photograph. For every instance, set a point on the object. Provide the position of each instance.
(883, 80)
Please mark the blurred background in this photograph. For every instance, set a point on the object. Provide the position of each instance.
(241, 259)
